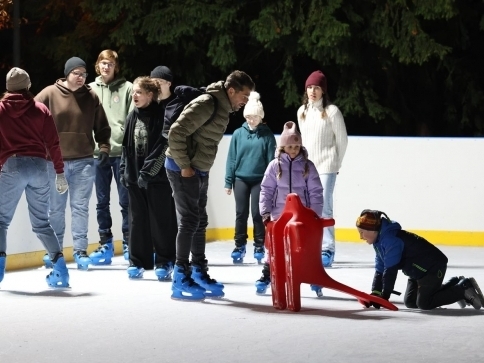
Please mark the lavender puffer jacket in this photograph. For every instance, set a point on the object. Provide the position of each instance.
(274, 191)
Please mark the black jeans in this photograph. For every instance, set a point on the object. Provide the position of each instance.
(247, 193)
(190, 196)
(428, 293)
(153, 225)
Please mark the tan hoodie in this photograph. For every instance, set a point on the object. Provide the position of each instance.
(77, 115)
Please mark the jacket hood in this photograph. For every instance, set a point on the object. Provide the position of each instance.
(15, 104)
(99, 82)
(259, 131)
(388, 226)
(219, 91)
(60, 85)
(303, 152)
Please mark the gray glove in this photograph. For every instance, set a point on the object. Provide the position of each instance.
(142, 182)
(103, 158)
(61, 183)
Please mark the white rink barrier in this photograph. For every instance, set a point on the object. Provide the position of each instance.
(432, 186)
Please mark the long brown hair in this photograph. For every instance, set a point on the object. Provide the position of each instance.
(305, 102)
(279, 170)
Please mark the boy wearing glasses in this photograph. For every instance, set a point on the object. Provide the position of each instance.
(114, 91)
(80, 122)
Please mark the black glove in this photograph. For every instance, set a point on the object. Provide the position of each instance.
(142, 182)
(103, 158)
(374, 304)
(122, 181)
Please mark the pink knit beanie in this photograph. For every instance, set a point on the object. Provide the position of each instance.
(290, 135)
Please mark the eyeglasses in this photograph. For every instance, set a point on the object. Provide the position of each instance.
(137, 93)
(79, 74)
(106, 64)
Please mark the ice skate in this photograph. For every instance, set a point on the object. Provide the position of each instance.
(184, 287)
(125, 245)
(103, 254)
(82, 260)
(259, 253)
(238, 254)
(478, 290)
(201, 277)
(125, 251)
(262, 284)
(47, 261)
(59, 276)
(135, 272)
(452, 282)
(471, 292)
(318, 290)
(163, 273)
(3, 262)
(328, 258)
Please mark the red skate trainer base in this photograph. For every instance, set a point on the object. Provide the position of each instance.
(294, 244)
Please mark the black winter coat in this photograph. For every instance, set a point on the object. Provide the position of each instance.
(152, 167)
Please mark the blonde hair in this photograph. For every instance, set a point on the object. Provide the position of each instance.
(279, 168)
(110, 55)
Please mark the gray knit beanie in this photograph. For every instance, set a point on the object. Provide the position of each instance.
(72, 63)
(17, 79)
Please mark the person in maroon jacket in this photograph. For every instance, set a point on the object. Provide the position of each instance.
(80, 120)
(27, 134)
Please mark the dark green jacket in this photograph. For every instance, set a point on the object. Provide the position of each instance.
(193, 144)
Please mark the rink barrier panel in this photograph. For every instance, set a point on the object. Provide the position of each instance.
(431, 186)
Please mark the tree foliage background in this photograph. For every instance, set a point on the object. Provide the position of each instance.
(401, 67)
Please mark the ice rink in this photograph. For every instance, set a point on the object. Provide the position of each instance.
(105, 317)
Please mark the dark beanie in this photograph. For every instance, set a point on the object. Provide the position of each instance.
(317, 78)
(369, 220)
(72, 63)
(163, 73)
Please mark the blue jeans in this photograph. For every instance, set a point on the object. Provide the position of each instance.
(29, 174)
(328, 181)
(80, 177)
(104, 177)
(190, 196)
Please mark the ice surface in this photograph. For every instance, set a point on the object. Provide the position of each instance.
(105, 317)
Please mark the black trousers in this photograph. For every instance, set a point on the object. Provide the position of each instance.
(428, 292)
(153, 225)
(191, 206)
(247, 194)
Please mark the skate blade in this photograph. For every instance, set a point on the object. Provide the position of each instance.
(478, 289)
(135, 277)
(60, 288)
(215, 295)
(101, 262)
(178, 295)
(261, 292)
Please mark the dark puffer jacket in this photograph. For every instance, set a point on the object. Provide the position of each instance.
(194, 143)
(397, 249)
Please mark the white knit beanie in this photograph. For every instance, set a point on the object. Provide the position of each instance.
(17, 79)
(253, 106)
